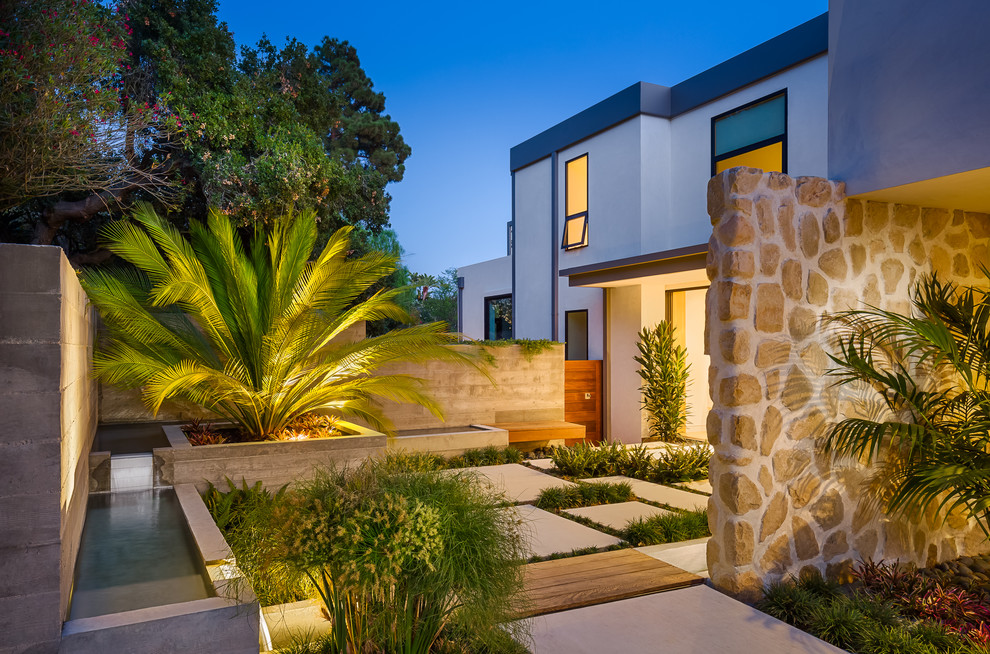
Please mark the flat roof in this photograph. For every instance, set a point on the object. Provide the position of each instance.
(794, 46)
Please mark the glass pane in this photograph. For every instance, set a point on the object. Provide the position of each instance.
(577, 186)
(498, 318)
(576, 348)
(757, 123)
(767, 158)
(687, 314)
(575, 232)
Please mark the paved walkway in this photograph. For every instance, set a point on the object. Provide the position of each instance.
(618, 515)
(547, 533)
(520, 484)
(688, 555)
(675, 497)
(697, 620)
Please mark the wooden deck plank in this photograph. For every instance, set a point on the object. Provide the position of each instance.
(564, 584)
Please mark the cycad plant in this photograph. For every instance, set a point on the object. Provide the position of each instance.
(929, 371)
(665, 371)
(249, 330)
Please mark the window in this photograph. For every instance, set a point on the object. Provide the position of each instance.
(576, 335)
(576, 203)
(753, 135)
(498, 318)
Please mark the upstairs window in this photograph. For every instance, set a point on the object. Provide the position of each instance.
(576, 203)
(753, 135)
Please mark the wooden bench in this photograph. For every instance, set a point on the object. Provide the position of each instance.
(556, 432)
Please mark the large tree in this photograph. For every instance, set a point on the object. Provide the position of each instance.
(274, 130)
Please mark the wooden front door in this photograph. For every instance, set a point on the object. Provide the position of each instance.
(583, 397)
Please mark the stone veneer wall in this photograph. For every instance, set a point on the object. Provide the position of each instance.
(48, 407)
(784, 252)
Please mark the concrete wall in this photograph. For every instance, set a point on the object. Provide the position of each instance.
(48, 403)
(525, 388)
(785, 252)
(908, 91)
(481, 280)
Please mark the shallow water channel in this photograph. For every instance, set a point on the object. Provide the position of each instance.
(136, 552)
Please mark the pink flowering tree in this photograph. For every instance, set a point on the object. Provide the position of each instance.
(66, 123)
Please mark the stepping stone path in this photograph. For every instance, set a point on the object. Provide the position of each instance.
(618, 515)
(520, 484)
(689, 555)
(702, 485)
(679, 499)
(686, 621)
(542, 464)
(547, 533)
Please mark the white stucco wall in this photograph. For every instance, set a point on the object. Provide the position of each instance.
(482, 280)
(691, 155)
(533, 240)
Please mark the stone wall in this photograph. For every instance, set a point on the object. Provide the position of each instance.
(48, 405)
(784, 252)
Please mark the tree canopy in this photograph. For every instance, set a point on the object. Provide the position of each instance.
(256, 135)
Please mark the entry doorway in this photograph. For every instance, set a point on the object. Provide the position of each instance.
(686, 312)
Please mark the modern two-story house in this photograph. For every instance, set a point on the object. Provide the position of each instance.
(610, 227)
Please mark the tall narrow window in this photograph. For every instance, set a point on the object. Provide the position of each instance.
(753, 135)
(498, 318)
(576, 335)
(576, 203)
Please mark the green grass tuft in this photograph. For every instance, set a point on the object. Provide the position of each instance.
(667, 528)
(586, 494)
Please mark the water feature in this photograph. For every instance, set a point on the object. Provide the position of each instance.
(136, 552)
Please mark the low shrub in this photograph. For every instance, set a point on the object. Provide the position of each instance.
(667, 528)
(666, 466)
(585, 494)
(486, 456)
(427, 461)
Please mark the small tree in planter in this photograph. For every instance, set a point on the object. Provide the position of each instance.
(664, 369)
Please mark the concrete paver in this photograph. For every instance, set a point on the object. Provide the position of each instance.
(702, 485)
(689, 555)
(618, 515)
(547, 533)
(679, 499)
(542, 464)
(520, 484)
(695, 620)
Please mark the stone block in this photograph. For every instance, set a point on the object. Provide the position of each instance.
(774, 517)
(788, 464)
(866, 544)
(30, 268)
(733, 300)
(853, 218)
(791, 278)
(803, 490)
(877, 216)
(765, 217)
(906, 215)
(811, 425)
(797, 391)
(32, 368)
(891, 270)
(716, 198)
(711, 259)
(835, 545)
(958, 239)
(740, 390)
(735, 230)
(813, 191)
(828, 510)
(769, 308)
(734, 344)
(810, 234)
(817, 289)
(857, 255)
(742, 180)
(742, 432)
(776, 558)
(769, 259)
(833, 264)
(738, 542)
(785, 221)
(960, 265)
(772, 353)
(979, 224)
(802, 323)
(933, 221)
(766, 480)
(738, 263)
(738, 493)
(831, 227)
(940, 261)
(805, 542)
(770, 429)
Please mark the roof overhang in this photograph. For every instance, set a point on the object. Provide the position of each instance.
(612, 272)
(969, 191)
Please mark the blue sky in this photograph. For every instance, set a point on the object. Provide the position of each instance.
(467, 81)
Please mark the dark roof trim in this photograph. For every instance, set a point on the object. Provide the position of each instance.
(640, 98)
(629, 263)
(794, 46)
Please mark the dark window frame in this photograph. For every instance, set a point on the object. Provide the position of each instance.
(583, 243)
(587, 334)
(488, 335)
(782, 139)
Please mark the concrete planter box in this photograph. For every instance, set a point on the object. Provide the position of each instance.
(450, 443)
(274, 463)
(227, 623)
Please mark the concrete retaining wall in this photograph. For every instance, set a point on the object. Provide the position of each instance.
(274, 464)
(451, 444)
(48, 404)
